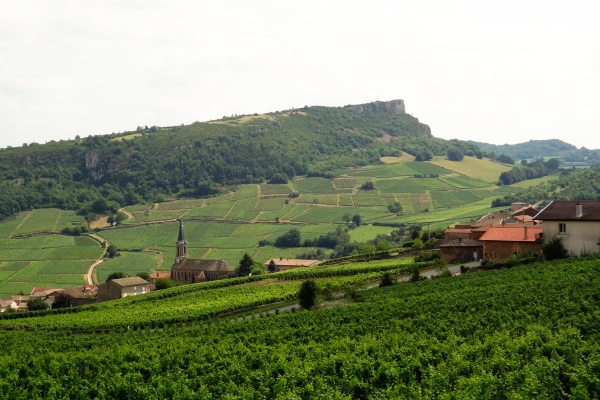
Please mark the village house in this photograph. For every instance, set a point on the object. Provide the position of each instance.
(283, 264)
(8, 303)
(160, 275)
(575, 222)
(461, 250)
(463, 241)
(191, 270)
(504, 241)
(124, 287)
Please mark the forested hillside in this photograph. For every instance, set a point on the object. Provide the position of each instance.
(99, 174)
(527, 150)
(583, 184)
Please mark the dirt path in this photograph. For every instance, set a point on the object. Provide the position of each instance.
(124, 211)
(29, 213)
(89, 275)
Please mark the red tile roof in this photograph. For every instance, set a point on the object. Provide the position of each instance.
(293, 262)
(161, 274)
(459, 230)
(512, 233)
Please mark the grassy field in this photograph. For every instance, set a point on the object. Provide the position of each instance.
(369, 232)
(129, 263)
(485, 169)
(534, 182)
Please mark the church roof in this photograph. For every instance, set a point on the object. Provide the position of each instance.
(194, 264)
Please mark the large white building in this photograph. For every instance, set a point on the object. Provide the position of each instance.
(576, 222)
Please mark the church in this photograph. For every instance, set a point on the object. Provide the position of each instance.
(192, 270)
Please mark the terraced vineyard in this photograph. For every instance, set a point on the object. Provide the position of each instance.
(45, 260)
(203, 300)
(526, 332)
(234, 223)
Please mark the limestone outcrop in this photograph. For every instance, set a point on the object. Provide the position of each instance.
(391, 107)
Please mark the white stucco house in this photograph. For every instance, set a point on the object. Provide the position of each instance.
(576, 222)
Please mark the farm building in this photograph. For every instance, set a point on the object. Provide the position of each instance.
(505, 241)
(124, 287)
(283, 264)
(461, 250)
(191, 270)
(160, 275)
(575, 222)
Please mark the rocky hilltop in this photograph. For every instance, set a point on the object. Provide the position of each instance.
(390, 107)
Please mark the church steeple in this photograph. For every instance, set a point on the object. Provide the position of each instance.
(181, 233)
(181, 245)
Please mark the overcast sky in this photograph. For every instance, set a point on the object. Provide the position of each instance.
(497, 72)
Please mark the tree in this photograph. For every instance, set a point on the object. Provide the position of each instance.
(116, 275)
(37, 304)
(368, 186)
(308, 294)
(272, 267)
(111, 251)
(164, 283)
(279, 178)
(415, 274)
(290, 239)
(357, 219)
(505, 159)
(63, 300)
(346, 218)
(120, 217)
(386, 280)
(383, 245)
(144, 275)
(110, 220)
(554, 249)
(395, 207)
(455, 154)
(258, 269)
(245, 265)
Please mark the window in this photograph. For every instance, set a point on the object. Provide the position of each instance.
(562, 228)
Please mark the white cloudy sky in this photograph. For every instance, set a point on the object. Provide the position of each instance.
(499, 72)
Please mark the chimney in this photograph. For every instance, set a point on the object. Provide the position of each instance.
(578, 210)
(525, 232)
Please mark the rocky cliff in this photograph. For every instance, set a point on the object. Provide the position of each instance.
(390, 107)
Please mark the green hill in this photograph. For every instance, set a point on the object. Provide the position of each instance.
(528, 150)
(101, 173)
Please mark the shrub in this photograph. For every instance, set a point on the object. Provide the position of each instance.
(308, 294)
(386, 280)
(37, 304)
(554, 249)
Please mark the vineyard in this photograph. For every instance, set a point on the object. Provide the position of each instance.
(428, 193)
(45, 260)
(204, 300)
(526, 332)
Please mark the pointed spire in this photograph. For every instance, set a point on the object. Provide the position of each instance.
(181, 233)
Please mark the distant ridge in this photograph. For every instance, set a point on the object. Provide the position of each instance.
(527, 150)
